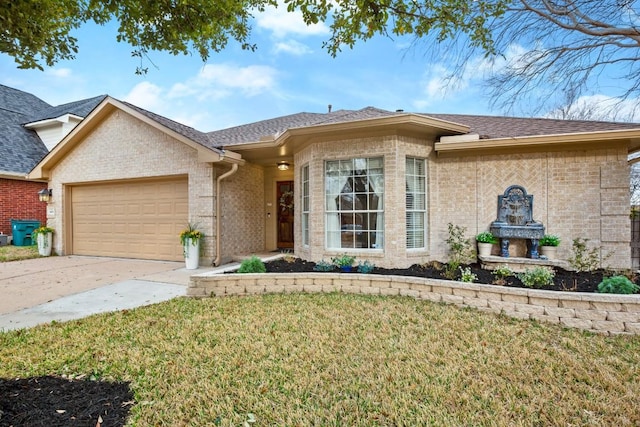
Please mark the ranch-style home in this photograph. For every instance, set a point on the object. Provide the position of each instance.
(381, 185)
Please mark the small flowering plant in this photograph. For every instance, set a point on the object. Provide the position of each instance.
(44, 230)
(191, 232)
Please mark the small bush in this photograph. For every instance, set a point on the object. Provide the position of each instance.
(550, 240)
(343, 260)
(617, 285)
(486, 237)
(500, 274)
(460, 250)
(252, 265)
(323, 266)
(467, 276)
(584, 259)
(365, 267)
(537, 277)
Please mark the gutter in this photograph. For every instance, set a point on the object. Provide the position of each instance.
(234, 169)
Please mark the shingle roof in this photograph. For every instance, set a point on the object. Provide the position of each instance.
(184, 130)
(486, 126)
(505, 127)
(252, 132)
(20, 148)
(78, 108)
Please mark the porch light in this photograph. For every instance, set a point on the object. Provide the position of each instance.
(45, 194)
(283, 166)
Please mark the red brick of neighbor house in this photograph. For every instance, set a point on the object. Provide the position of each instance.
(19, 200)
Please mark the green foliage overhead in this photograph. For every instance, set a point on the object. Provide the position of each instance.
(39, 32)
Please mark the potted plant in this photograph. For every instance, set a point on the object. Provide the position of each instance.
(190, 239)
(344, 262)
(485, 240)
(44, 238)
(549, 245)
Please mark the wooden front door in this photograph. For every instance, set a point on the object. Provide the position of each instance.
(285, 214)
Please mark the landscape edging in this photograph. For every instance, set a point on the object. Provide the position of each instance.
(600, 313)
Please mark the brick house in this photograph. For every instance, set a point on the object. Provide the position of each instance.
(29, 127)
(377, 184)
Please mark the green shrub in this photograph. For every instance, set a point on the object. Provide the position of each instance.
(537, 277)
(467, 276)
(323, 266)
(486, 237)
(617, 285)
(584, 259)
(460, 250)
(501, 273)
(343, 260)
(365, 267)
(252, 265)
(550, 240)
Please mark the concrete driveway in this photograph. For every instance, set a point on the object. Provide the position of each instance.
(69, 287)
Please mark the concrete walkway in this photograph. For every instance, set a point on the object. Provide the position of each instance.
(71, 287)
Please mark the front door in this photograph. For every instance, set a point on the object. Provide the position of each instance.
(285, 214)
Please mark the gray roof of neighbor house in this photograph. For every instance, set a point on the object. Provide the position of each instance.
(486, 126)
(20, 148)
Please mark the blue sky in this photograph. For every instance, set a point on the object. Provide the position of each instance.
(289, 73)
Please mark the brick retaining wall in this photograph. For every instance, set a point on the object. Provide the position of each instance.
(600, 313)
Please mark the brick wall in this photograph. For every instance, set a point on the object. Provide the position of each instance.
(19, 200)
(578, 193)
(242, 221)
(123, 147)
(599, 313)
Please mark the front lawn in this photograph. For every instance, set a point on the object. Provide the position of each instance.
(338, 359)
(17, 253)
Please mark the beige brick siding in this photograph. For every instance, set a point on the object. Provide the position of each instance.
(242, 218)
(121, 148)
(580, 193)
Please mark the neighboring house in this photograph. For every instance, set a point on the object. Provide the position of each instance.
(377, 184)
(29, 128)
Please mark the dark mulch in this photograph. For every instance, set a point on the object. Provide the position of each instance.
(52, 401)
(564, 280)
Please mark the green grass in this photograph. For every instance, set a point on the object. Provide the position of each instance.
(339, 360)
(17, 253)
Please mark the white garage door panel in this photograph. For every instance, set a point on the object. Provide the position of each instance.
(131, 220)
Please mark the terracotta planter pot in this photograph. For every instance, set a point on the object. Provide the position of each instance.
(44, 244)
(192, 254)
(549, 251)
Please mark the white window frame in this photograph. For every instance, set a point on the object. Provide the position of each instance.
(416, 203)
(354, 204)
(305, 203)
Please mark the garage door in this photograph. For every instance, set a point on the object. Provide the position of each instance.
(130, 219)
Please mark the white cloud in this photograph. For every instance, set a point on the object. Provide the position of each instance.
(292, 47)
(148, 96)
(282, 23)
(602, 107)
(221, 80)
(60, 73)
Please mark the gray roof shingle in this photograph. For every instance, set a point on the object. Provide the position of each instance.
(486, 126)
(80, 108)
(20, 148)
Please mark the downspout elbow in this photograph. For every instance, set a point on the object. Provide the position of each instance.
(234, 169)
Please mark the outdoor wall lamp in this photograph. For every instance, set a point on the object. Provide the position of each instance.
(45, 194)
(283, 166)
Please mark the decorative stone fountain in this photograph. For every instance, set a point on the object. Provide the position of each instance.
(515, 210)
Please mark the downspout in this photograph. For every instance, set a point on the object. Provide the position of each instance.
(234, 169)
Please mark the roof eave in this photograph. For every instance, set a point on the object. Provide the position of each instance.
(60, 119)
(408, 120)
(102, 111)
(535, 141)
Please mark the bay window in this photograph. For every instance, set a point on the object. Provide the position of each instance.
(354, 203)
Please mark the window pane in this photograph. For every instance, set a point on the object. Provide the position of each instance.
(415, 202)
(353, 204)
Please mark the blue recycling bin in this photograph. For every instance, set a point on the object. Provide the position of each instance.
(21, 230)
